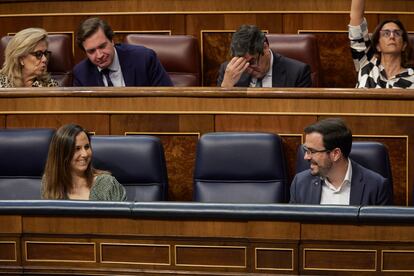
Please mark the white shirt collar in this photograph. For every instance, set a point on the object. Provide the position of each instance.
(115, 66)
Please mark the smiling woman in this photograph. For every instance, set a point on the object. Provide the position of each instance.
(69, 173)
(26, 58)
(382, 61)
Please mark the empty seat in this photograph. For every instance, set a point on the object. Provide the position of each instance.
(240, 167)
(179, 54)
(61, 60)
(23, 157)
(302, 47)
(137, 162)
(371, 155)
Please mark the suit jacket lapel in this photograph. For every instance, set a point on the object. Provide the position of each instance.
(244, 80)
(357, 185)
(278, 72)
(127, 70)
(316, 190)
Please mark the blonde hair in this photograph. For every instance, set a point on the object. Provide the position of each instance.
(18, 47)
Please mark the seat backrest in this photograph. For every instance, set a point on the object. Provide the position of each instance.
(61, 61)
(302, 47)
(137, 162)
(240, 167)
(371, 155)
(179, 54)
(23, 157)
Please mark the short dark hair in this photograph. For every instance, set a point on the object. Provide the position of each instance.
(406, 54)
(335, 134)
(248, 39)
(90, 26)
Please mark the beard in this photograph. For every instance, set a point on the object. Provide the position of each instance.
(318, 169)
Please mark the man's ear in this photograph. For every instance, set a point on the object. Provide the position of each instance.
(337, 154)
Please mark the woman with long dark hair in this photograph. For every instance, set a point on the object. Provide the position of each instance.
(69, 173)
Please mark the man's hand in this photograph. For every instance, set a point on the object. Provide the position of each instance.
(234, 70)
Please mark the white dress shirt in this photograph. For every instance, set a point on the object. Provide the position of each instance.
(338, 196)
(115, 72)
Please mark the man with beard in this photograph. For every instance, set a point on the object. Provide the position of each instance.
(255, 65)
(108, 64)
(333, 178)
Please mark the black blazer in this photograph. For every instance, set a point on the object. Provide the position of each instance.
(286, 72)
(367, 188)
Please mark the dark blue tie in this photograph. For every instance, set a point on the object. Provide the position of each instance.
(105, 72)
(259, 83)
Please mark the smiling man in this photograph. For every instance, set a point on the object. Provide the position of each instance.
(333, 178)
(108, 64)
(255, 65)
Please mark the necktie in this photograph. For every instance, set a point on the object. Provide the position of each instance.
(259, 83)
(105, 72)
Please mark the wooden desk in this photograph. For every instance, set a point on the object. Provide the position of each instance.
(200, 239)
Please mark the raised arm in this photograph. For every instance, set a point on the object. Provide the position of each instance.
(357, 12)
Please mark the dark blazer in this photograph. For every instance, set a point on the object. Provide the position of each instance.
(367, 188)
(140, 67)
(286, 72)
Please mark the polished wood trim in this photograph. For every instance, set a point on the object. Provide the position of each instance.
(210, 246)
(333, 250)
(135, 244)
(395, 270)
(292, 252)
(28, 242)
(15, 251)
(198, 134)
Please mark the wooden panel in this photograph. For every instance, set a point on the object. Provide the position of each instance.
(8, 251)
(396, 233)
(10, 224)
(2, 121)
(149, 254)
(397, 260)
(339, 259)
(141, 227)
(99, 124)
(280, 259)
(272, 230)
(210, 256)
(43, 251)
(215, 49)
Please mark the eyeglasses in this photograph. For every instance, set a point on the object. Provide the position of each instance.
(311, 151)
(39, 54)
(387, 33)
(255, 61)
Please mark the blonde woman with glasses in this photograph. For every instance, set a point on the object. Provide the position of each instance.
(383, 60)
(26, 59)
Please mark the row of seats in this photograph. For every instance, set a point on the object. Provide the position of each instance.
(179, 54)
(238, 167)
